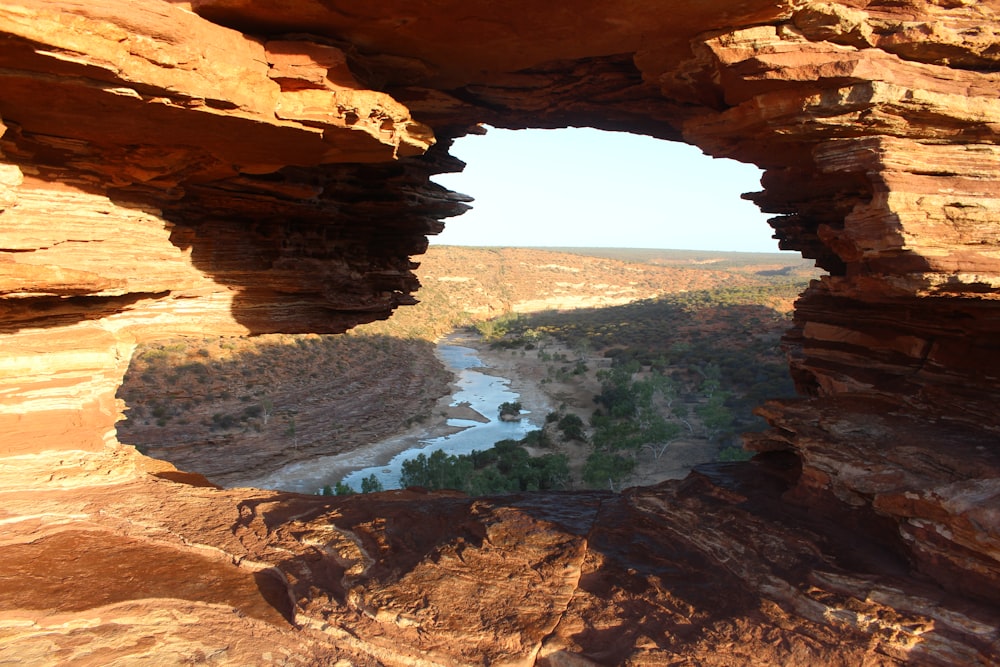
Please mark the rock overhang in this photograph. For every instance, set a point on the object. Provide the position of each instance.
(237, 167)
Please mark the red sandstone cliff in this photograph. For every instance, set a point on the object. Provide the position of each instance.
(233, 166)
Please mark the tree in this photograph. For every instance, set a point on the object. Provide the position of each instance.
(660, 433)
(572, 427)
(606, 468)
(668, 390)
(437, 471)
(510, 408)
(371, 484)
(536, 438)
(715, 416)
(505, 468)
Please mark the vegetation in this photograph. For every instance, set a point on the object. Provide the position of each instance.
(494, 329)
(754, 263)
(572, 427)
(370, 484)
(505, 468)
(681, 366)
(510, 409)
(186, 398)
(690, 363)
(483, 287)
(716, 346)
(606, 469)
(733, 453)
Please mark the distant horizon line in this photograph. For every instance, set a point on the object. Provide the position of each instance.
(628, 248)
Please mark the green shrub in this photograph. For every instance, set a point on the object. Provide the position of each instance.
(505, 468)
(733, 453)
(572, 427)
(606, 468)
(371, 484)
(536, 438)
(510, 408)
(221, 422)
(252, 411)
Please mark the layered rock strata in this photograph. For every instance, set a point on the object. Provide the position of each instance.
(714, 570)
(166, 174)
(227, 166)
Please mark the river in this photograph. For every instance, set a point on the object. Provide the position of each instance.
(480, 391)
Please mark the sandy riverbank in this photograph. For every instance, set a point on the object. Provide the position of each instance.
(443, 419)
(540, 392)
(310, 475)
(531, 374)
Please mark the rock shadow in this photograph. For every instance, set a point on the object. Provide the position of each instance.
(320, 249)
(315, 249)
(665, 571)
(236, 410)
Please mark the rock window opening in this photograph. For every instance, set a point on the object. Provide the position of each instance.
(641, 355)
(581, 187)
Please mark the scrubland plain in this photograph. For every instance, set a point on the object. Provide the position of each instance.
(659, 355)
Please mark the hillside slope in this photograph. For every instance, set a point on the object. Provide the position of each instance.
(461, 285)
(237, 408)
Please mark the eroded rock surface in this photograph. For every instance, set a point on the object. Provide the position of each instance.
(228, 166)
(715, 570)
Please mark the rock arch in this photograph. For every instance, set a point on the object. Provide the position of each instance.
(237, 166)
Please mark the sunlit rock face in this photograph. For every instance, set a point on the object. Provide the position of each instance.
(238, 166)
(168, 175)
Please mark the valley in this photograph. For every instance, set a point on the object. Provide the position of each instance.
(238, 409)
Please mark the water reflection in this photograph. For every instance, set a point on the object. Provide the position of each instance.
(479, 391)
(484, 394)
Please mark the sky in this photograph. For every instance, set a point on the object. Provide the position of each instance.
(580, 187)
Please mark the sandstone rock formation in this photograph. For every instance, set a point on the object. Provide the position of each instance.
(235, 166)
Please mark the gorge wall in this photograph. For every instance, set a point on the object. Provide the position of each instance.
(238, 166)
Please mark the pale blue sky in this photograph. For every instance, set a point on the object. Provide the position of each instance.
(585, 188)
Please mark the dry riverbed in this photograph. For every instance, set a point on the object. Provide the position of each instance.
(368, 405)
(534, 375)
(541, 389)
